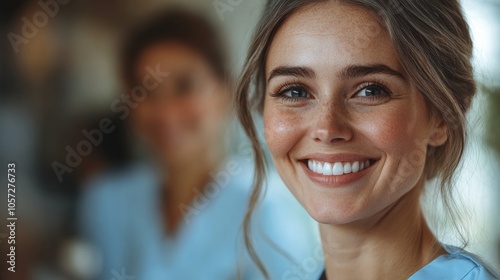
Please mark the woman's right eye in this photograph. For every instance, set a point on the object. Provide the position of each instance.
(294, 93)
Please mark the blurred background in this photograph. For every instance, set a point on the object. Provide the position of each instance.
(60, 70)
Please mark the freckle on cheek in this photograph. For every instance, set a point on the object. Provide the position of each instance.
(389, 134)
(280, 136)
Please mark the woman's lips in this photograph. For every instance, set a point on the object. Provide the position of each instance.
(337, 170)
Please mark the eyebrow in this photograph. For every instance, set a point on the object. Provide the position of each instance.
(302, 72)
(356, 71)
(352, 71)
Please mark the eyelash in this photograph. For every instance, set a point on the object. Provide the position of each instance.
(379, 84)
(283, 89)
(280, 93)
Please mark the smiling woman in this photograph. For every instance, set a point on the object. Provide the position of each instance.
(362, 102)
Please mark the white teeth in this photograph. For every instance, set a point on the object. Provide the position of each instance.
(347, 168)
(355, 167)
(319, 168)
(327, 169)
(337, 168)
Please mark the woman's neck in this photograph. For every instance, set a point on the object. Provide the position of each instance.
(393, 244)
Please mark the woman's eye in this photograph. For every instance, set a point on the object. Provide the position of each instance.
(296, 93)
(372, 91)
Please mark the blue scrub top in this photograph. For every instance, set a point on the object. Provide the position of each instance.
(456, 265)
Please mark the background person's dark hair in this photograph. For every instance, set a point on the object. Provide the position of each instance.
(179, 26)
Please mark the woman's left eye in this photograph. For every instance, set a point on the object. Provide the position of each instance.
(372, 91)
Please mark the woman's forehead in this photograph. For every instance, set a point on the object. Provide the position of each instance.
(331, 33)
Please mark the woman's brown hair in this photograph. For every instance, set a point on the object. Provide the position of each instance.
(434, 46)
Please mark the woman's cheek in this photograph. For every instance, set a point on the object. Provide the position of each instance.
(282, 130)
(398, 135)
(392, 130)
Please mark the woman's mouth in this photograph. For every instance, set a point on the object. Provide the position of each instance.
(336, 171)
(337, 168)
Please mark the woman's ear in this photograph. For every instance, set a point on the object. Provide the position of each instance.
(439, 134)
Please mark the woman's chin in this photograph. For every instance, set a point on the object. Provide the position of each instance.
(333, 215)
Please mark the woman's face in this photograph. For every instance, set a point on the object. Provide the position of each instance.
(184, 114)
(347, 130)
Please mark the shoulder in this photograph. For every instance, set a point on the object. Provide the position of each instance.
(458, 264)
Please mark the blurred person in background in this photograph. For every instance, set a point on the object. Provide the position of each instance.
(178, 213)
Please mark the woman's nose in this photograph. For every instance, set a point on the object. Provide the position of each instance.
(331, 125)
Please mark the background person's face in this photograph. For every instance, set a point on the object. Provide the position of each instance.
(338, 97)
(182, 118)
